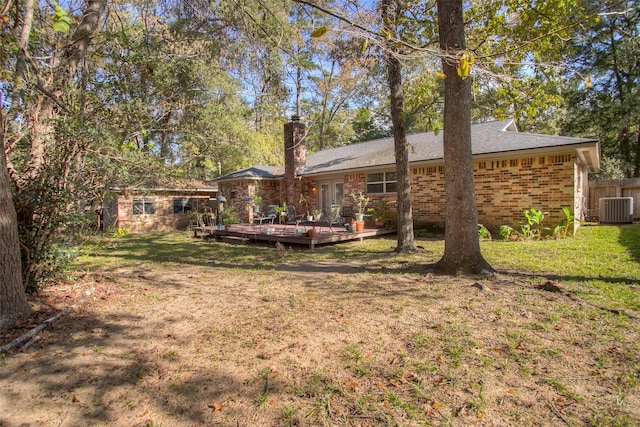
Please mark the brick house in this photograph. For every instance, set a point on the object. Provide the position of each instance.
(514, 171)
(156, 208)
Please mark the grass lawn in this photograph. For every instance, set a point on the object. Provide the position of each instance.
(171, 330)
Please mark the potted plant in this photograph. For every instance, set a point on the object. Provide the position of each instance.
(360, 201)
(281, 211)
(305, 204)
(379, 214)
(229, 216)
(317, 214)
(256, 203)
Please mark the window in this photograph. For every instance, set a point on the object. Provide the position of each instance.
(181, 206)
(144, 206)
(381, 182)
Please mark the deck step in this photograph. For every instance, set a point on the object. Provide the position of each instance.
(234, 239)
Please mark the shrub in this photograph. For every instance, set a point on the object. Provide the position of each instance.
(484, 232)
(535, 228)
(565, 227)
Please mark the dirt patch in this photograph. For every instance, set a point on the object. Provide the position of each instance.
(319, 344)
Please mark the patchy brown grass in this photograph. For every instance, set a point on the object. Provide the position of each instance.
(320, 344)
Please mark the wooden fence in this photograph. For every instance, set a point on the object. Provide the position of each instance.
(628, 187)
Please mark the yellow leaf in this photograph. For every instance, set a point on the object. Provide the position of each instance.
(365, 44)
(436, 405)
(463, 68)
(441, 75)
(588, 83)
(319, 32)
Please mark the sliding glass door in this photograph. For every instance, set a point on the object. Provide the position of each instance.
(331, 192)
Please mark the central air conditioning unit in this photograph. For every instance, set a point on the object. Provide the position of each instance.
(616, 210)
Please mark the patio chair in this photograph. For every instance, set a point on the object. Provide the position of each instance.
(269, 216)
(332, 216)
(292, 218)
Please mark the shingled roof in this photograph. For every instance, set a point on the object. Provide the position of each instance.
(254, 172)
(495, 137)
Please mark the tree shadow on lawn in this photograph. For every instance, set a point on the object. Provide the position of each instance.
(158, 248)
(336, 267)
(630, 238)
(89, 369)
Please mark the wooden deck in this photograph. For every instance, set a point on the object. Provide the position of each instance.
(255, 233)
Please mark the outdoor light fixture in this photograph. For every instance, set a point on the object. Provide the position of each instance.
(314, 189)
(221, 201)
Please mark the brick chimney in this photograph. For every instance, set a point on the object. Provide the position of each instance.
(294, 160)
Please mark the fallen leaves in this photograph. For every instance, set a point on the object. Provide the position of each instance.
(217, 407)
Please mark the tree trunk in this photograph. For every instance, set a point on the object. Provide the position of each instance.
(462, 244)
(13, 302)
(406, 241)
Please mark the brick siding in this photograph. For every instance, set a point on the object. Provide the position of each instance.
(504, 189)
(163, 219)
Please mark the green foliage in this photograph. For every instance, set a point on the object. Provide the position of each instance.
(424, 94)
(483, 232)
(117, 232)
(610, 168)
(521, 77)
(379, 213)
(61, 20)
(602, 84)
(360, 200)
(282, 209)
(534, 227)
(369, 124)
(507, 232)
(566, 226)
(230, 216)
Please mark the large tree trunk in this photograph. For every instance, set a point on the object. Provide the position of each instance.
(462, 243)
(13, 303)
(406, 242)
